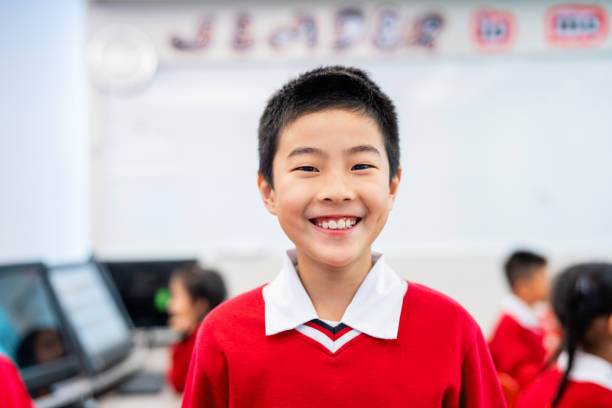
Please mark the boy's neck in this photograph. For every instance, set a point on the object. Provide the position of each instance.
(529, 302)
(331, 289)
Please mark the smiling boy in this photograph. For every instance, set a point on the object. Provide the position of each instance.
(337, 327)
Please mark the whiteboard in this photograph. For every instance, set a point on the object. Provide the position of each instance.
(496, 152)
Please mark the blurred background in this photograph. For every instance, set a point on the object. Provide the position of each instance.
(129, 133)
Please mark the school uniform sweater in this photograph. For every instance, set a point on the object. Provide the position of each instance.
(13, 392)
(517, 344)
(180, 355)
(398, 345)
(590, 386)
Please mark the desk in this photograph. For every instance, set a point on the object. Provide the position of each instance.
(155, 359)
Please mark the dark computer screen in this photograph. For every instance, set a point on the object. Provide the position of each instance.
(101, 329)
(143, 287)
(32, 331)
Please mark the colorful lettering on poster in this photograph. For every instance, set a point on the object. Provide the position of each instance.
(243, 37)
(349, 27)
(388, 30)
(303, 29)
(199, 42)
(426, 30)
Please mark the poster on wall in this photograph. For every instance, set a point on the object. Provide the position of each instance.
(304, 31)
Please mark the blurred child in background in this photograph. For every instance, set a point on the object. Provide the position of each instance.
(193, 293)
(517, 344)
(582, 300)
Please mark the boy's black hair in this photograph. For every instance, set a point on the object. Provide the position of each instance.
(522, 265)
(327, 88)
(581, 293)
(202, 283)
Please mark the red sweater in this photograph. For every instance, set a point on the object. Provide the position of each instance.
(517, 351)
(13, 393)
(439, 359)
(577, 394)
(180, 355)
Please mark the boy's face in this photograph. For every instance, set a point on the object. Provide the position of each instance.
(185, 313)
(535, 288)
(541, 284)
(331, 192)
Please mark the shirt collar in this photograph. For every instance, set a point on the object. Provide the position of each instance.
(374, 310)
(588, 368)
(521, 312)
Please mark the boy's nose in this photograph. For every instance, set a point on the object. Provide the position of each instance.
(336, 188)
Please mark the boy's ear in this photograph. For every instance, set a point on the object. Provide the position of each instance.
(267, 193)
(394, 185)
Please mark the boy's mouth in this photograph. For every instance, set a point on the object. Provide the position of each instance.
(335, 222)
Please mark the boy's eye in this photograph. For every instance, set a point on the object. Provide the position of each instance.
(361, 166)
(306, 168)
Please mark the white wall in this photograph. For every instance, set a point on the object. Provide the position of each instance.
(44, 138)
(496, 152)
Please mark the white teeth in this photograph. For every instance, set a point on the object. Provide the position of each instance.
(341, 224)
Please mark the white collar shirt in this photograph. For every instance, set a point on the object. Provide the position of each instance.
(588, 368)
(521, 312)
(374, 310)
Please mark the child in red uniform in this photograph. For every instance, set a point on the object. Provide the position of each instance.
(582, 300)
(13, 392)
(517, 344)
(337, 327)
(193, 293)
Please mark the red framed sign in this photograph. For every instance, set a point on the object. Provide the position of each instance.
(493, 30)
(576, 25)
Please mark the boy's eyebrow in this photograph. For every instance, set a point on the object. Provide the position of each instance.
(313, 150)
(306, 150)
(363, 148)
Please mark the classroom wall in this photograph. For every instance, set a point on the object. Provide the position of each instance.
(496, 153)
(44, 134)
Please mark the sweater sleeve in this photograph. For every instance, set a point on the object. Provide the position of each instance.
(479, 384)
(207, 379)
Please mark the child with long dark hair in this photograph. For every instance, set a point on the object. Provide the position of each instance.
(582, 300)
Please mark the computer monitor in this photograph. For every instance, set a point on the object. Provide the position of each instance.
(100, 326)
(143, 287)
(32, 330)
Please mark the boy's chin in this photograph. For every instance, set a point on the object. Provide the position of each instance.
(334, 258)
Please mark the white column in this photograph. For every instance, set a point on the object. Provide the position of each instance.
(44, 131)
